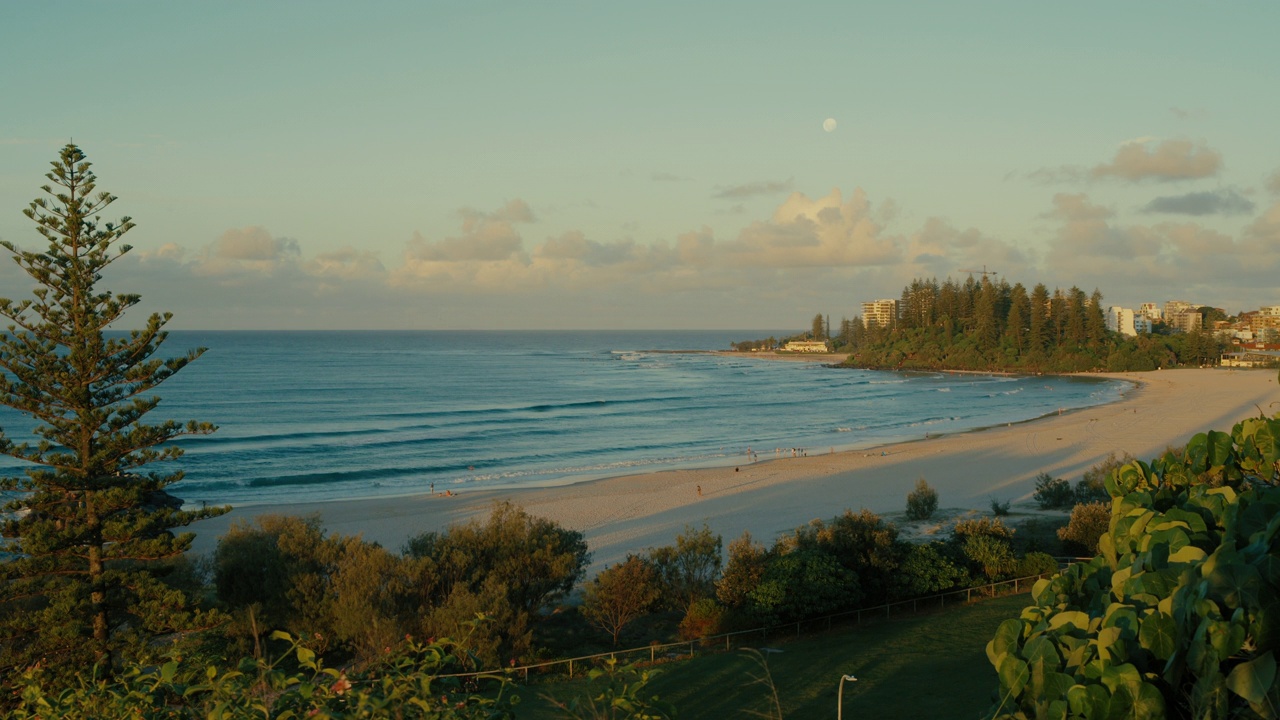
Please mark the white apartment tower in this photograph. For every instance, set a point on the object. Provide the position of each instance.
(1121, 320)
(880, 313)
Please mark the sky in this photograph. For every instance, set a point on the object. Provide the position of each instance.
(655, 165)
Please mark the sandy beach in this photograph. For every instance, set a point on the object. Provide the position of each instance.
(778, 493)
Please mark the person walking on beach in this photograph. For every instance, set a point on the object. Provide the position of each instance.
(699, 491)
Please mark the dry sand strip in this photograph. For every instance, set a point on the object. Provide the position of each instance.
(772, 496)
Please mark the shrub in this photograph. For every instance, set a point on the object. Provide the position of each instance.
(704, 619)
(803, 584)
(1092, 487)
(687, 571)
(926, 569)
(989, 527)
(1088, 522)
(862, 542)
(620, 594)
(1052, 492)
(1000, 509)
(990, 554)
(742, 573)
(1036, 563)
(921, 502)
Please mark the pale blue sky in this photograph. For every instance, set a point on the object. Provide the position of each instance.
(649, 165)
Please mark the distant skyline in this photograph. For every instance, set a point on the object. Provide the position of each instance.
(499, 165)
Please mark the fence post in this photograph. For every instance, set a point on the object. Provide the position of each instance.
(726, 642)
(570, 667)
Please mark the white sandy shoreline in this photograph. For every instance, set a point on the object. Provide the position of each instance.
(631, 513)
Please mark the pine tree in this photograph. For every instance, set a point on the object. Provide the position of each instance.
(87, 530)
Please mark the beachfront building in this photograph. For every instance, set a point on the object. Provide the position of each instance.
(1142, 324)
(807, 346)
(881, 313)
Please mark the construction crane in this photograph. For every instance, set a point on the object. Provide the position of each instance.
(983, 272)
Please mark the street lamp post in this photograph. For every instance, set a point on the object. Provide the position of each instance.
(840, 696)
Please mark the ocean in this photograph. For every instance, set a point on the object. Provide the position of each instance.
(307, 416)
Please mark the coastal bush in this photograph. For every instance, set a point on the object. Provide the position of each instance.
(688, 570)
(742, 572)
(539, 560)
(927, 569)
(990, 527)
(1175, 615)
(504, 636)
(704, 619)
(1053, 493)
(802, 584)
(1036, 563)
(991, 555)
(921, 502)
(1092, 486)
(620, 594)
(1000, 509)
(862, 542)
(1087, 524)
(284, 573)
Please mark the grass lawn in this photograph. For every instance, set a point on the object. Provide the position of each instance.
(930, 665)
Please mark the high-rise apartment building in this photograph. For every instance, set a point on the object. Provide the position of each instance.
(880, 313)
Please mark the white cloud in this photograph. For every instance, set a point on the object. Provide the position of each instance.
(1168, 160)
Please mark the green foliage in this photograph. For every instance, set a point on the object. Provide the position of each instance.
(802, 584)
(687, 571)
(621, 594)
(284, 573)
(1053, 493)
(921, 502)
(704, 619)
(1087, 524)
(927, 569)
(993, 326)
(1176, 614)
(86, 529)
(1036, 563)
(537, 559)
(862, 542)
(405, 683)
(1000, 509)
(616, 693)
(1092, 487)
(742, 573)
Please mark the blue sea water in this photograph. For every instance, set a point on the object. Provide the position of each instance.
(309, 416)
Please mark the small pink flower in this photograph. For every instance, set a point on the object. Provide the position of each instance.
(341, 686)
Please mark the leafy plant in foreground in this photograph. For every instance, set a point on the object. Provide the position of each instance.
(1177, 614)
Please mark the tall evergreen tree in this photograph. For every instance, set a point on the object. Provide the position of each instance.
(87, 526)
(1017, 326)
(1040, 327)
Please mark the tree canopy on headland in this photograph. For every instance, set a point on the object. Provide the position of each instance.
(997, 327)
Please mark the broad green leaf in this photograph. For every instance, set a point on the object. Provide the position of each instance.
(1209, 694)
(1014, 675)
(1008, 633)
(1188, 554)
(1159, 635)
(1124, 677)
(1088, 701)
(1041, 651)
(1074, 618)
(1251, 680)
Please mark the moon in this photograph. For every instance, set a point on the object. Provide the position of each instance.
(829, 124)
